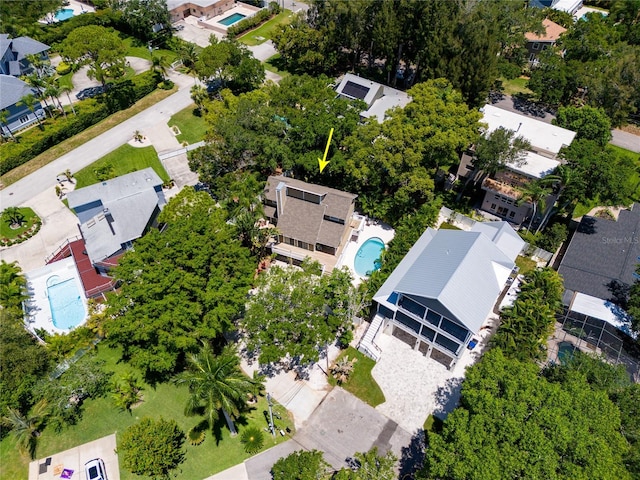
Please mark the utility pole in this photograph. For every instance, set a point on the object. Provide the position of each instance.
(271, 425)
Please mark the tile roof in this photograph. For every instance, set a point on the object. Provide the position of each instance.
(601, 251)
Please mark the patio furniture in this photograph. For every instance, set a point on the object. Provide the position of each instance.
(57, 470)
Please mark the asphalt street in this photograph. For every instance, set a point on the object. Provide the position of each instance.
(44, 178)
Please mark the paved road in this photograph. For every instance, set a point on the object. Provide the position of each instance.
(625, 140)
(45, 178)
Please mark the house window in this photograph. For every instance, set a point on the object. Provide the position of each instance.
(532, 57)
(509, 201)
(411, 306)
(512, 214)
(493, 206)
(536, 46)
(502, 211)
(427, 333)
(24, 119)
(497, 197)
(447, 343)
(408, 321)
(454, 329)
(433, 318)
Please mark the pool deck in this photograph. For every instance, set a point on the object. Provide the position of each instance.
(39, 310)
(213, 23)
(78, 9)
(369, 229)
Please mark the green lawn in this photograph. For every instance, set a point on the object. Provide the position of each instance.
(166, 400)
(525, 265)
(517, 85)
(30, 218)
(361, 383)
(134, 49)
(124, 159)
(448, 226)
(192, 127)
(273, 64)
(265, 31)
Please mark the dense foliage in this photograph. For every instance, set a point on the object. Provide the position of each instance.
(152, 447)
(296, 312)
(230, 63)
(457, 40)
(588, 122)
(301, 465)
(525, 326)
(598, 50)
(513, 423)
(180, 286)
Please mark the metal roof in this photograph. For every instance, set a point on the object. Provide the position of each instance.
(463, 271)
(541, 135)
(379, 98)
(503, 235)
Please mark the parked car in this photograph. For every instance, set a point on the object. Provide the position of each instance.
(94, 469)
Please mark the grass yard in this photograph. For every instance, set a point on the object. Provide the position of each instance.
(361, 382)
(448, 226)
(30, 218)
(124, 159)
(274, 64)
(265, 31)
(192, 127)
(525, 264)
(517, 85)
(102, 418)
(89, 134)
(142, 51)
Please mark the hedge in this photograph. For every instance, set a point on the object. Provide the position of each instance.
(250, 22)
(88, 112)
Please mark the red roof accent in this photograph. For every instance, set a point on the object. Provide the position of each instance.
(92, 281)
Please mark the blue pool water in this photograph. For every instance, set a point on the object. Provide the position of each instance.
(64, 14)
(65, 300)
(565, 351)
(231, 19)
(368, 257)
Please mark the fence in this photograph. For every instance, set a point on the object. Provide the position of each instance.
(457, 219)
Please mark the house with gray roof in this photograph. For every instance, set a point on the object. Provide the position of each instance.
(12, 90)
(379, 98)
(446, 286)
(603, 253)
(14, 52)
(310, 217)
(114, 213)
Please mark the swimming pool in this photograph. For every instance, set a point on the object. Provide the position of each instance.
(565, 351)
(368, 257)
(231, 19)
(65, 301)
(63, 14)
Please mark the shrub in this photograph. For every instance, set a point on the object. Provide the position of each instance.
(252, 439)
(89, 112)
(63, 68)
(249, 23)
(196, 435)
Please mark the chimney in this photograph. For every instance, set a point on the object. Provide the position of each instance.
(281, 195)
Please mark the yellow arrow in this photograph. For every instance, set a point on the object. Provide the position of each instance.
(323, 163)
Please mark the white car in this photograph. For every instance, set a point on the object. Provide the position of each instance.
(95, 470)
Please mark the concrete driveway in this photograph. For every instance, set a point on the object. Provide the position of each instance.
(74, 459)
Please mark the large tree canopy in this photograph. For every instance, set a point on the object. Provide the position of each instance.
(98, 47)
(513, 423)
(588, 122)
(180, 286)
(295, 312)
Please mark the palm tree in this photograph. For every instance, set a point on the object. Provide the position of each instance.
(188, 55)
(53, 91)
(12, 285)
(536, 193)
(26, 428)
(68, 175)
(13, 216)
(216, 384)
(199, 95)
(4, 117)
(66, 90)
(160, 65)
(39, 84)
(30, 102)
